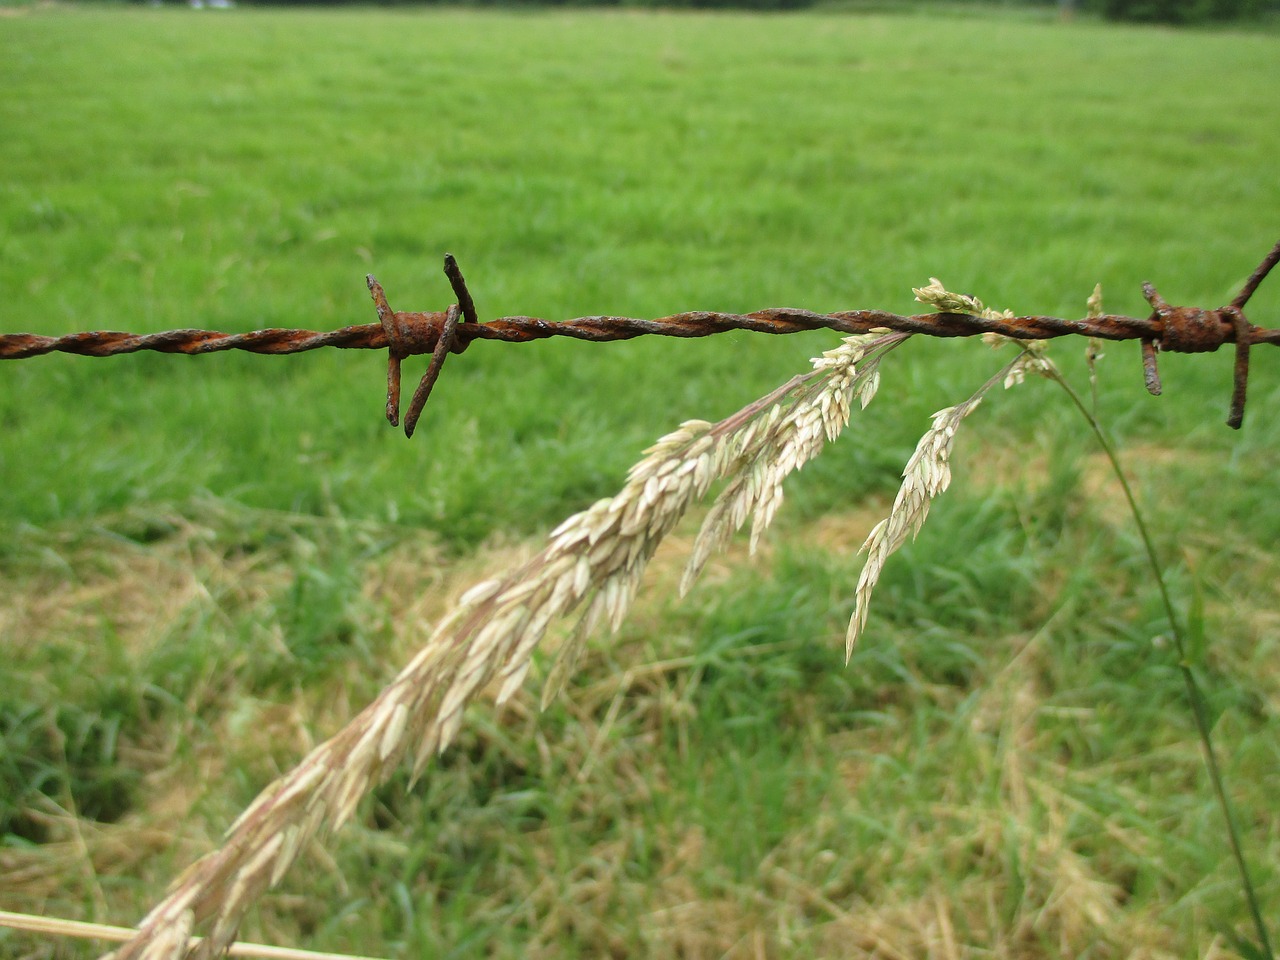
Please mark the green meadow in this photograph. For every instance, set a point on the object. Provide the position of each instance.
(207, 565)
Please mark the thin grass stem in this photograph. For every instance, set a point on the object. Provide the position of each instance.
(1194, 694)
(100, 931)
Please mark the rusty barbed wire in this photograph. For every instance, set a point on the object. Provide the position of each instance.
(408, 333)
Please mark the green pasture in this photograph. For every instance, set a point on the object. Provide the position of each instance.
(208, 564)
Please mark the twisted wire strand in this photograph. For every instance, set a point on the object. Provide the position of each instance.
(110, 343)
(597, 329)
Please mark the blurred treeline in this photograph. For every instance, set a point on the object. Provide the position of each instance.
(1142, 11)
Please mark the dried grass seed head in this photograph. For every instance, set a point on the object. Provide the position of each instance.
(928, 471)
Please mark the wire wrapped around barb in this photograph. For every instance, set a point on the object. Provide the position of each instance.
(404, 334)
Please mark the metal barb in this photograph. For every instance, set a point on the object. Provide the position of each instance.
(1255, 278)
(410, 333)
(1150, 371)
(452, 271)
(387, 317)
(1192, 330)
(1240, 372)
(443, 345)
(1245, 333)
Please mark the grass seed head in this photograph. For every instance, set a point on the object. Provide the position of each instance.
(928, 471)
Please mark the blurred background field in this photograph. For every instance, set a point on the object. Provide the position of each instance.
(210, 563)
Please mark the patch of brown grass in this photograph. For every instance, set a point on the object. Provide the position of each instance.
(1028, 890)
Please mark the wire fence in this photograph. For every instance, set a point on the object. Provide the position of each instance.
(409, 333)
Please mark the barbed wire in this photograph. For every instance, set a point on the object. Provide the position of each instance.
(406, 333)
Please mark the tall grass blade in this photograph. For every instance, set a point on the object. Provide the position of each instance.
(1189, 646)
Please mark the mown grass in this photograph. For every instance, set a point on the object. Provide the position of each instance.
(209, 564)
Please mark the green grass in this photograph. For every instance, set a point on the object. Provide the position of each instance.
(207, 564)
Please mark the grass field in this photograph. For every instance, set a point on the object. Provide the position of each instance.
(207, 565)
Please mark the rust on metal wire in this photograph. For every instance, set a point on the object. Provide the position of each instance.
(404, 334)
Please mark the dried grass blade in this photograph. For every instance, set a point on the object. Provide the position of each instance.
(100, 931)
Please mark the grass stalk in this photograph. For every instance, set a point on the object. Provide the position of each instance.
(100, 931)
(1195, 695)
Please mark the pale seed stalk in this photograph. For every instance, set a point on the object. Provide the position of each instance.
(594, 560)
(928, 472)
(926, 475)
